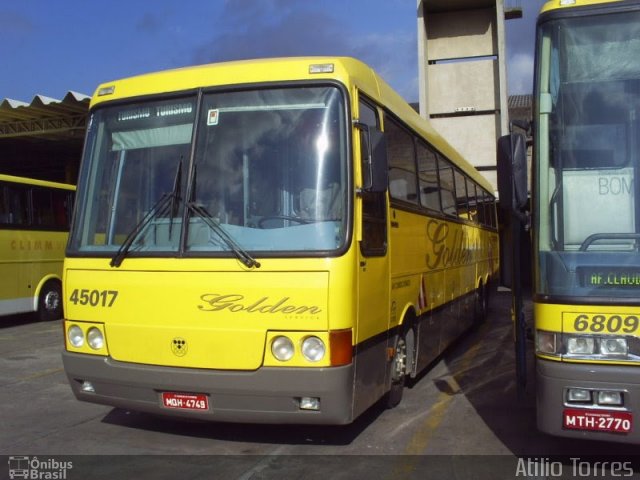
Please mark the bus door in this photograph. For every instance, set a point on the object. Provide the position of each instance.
(373, 273)
(14, 215)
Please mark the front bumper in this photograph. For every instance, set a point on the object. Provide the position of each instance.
(554, 378)
(266, 395)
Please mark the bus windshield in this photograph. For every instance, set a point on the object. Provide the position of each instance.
(249, 170)
(587, 213)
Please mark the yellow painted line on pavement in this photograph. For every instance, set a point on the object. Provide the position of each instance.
(421, 438)
(44, 373)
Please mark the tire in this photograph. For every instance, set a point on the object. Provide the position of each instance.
(480, 304)
(50, 301)
(397, 372)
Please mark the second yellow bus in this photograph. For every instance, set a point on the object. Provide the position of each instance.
(34, 226)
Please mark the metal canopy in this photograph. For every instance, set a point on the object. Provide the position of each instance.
(43, 139)
(44, 118)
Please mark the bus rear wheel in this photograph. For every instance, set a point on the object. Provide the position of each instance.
(481, 304)
(50, 301)
(398, 372)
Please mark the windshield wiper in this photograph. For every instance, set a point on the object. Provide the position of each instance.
(213, 224)
(175, 196)
(166, 204)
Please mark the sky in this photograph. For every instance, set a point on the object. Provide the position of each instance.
(52, 47)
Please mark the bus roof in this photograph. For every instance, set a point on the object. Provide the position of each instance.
(348, 71)
(557, 4)
(36, 182)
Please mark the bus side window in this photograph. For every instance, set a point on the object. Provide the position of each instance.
(18, 203)
(472, 198)
(5, 213)
(402, 165)
(428, 177)
(374, 208)
(447, 190)
(61, 209)
(483, 207)
(42, 204)
(461, 195)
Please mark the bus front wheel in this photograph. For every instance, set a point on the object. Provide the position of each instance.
(50, 301)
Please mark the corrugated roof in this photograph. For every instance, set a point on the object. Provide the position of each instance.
(520, 101)
(44, 116)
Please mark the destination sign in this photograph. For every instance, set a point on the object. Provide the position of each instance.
(609, 277)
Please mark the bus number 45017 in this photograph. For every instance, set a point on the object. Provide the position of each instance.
(94, 298)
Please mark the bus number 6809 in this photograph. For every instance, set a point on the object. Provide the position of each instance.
(607, 323)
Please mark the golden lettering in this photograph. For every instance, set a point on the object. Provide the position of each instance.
(214, 302)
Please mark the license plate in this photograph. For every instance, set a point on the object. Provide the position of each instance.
(185, 401)
(597, 420)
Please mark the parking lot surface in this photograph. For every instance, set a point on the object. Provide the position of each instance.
(461, 415)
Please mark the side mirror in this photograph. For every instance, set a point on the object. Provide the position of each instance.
(375, 169)
(512, 172)
(512, 186)
(524, 125)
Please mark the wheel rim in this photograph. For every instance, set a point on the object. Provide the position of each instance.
(399, 361)
(51, 301)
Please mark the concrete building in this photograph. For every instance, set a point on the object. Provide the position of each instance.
(463, 79)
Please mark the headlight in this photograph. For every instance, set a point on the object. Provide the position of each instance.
(75, 336)
(598, 347)
(282, 348)
(579, 395)
(313, 349)
(610, 398)
(581, 346)
(574, 346)
(613, 346)
(95, 338)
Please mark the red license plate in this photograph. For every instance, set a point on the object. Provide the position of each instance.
(185, 401)
(597, 420)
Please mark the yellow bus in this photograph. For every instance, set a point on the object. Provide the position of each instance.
(34, 225)
(586, 219)
(272, 241)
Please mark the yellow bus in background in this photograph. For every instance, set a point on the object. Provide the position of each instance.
(586, 212)
(34, 225)
(272, 241)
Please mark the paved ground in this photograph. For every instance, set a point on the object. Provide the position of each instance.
(465, 405)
